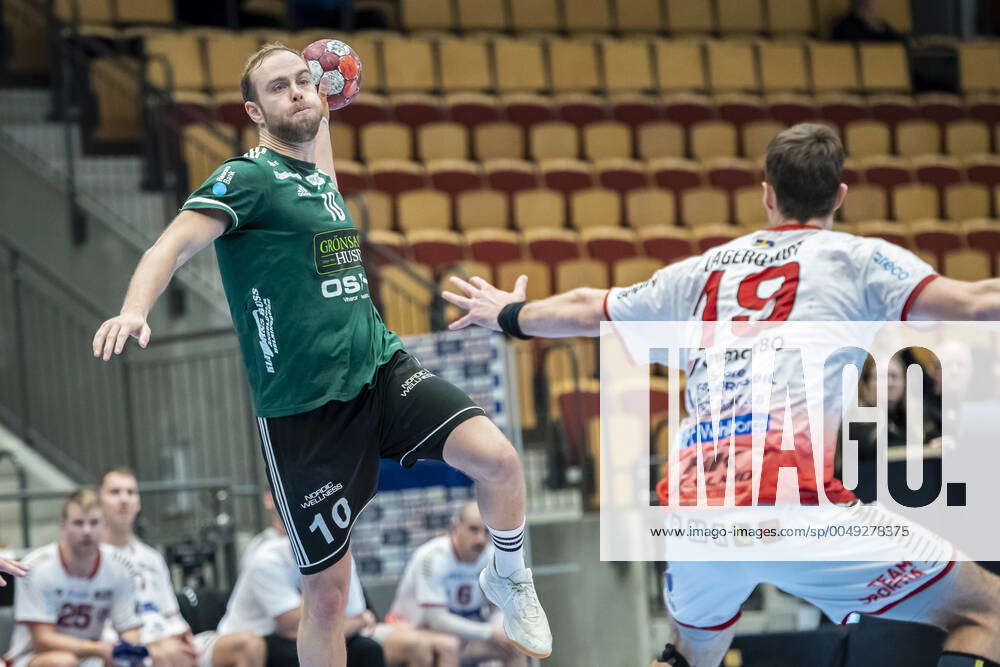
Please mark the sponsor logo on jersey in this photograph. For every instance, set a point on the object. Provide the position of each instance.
(763, 243)
(315, 179)
(414, 380)
(886, 264)
(272, 163)
(285, 175)
(255, 152)
(900, 575)
(729, 426)
(219, 189)
(226, 176)
(337, 250)
(321, 494)
(264, 319)
(302, 192)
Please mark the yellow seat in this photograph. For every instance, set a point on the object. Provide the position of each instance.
(442, 140)
(864, 138)
(967, 264)
(590, 16)
(554, 139)
(424, 209)
(627, 65)
(539, 207)
(979, 64)
(539, 280)
(757, 135)
(465, 64)
(386, 140)
(595, 207)
(574, 65)
(479, 209)
(704, 206)
(884, 67)
(783, 66)
(371, 209)
(740, 17)
(409, 64)
(145, 11)
(660, 138)
(967, 137)
(684, 16)
(114, 81)
(786, 17)
(534, 15)
(498, 140)
(650, 207)
(731, 66)
(227, 53)
(405, 294)
(914, 201)
(680, 65)
(204, 148)
(964, 201)
(520, 65)
(638, 16)
(713, 138)
(606, 139)
(175, 58)
(917, 137)
(481, 15)
(634, 270)
(427, 14)
(833, 67)
(748, 202)
(575, 273)
(864, 202)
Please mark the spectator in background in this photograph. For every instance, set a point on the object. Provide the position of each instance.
(75, 585)
(164, 630)
(440, 591)
(267, 601)
(861, 24)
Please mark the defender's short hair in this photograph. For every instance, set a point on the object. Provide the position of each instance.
(253, 62)
(85, 499)
(125, 471)
(803, 166)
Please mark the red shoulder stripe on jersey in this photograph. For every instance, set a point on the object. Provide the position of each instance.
(787, 228)
(62, 561)
(936, 578)
(914, 293)
(432, 604)
(607, 315)
(721, 626)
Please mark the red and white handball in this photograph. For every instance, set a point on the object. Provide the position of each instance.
(338, 67)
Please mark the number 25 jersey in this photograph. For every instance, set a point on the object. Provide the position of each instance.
(785, 273)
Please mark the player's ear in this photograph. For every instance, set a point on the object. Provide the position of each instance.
(767, 196)
(841, 194)
(254, 112)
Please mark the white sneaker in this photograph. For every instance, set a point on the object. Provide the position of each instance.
(524, 619)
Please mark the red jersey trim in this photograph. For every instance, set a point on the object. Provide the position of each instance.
(432, 604)
(936, 578)
(607, 315)
(62, 561)
(788, 228)
(721, 626)
(914, 293)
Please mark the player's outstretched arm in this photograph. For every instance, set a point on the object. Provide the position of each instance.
(11, 566)
(45, 638)
(575, 313)
(190, 232)
(323, 147)
(957, 300)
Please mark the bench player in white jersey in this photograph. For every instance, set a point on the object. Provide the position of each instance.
(164, 630)
(73, 587)
(439, 591)
(795, 269)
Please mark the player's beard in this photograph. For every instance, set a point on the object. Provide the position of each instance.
(292, 130)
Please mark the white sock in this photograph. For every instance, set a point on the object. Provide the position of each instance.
(508, 554)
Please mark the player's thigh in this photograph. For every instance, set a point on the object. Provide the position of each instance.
(420, 411)
(967, 594)
(52, 659)
(324, 593)
(322, 466)
(223, 650)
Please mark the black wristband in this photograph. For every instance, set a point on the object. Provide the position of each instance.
(507, 319)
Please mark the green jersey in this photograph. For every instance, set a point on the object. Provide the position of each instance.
(292, 270)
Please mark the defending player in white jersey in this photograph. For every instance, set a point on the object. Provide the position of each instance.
(440, 591)
(795, 269)
(74, 586)
(164, 630)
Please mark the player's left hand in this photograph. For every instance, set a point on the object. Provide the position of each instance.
(483, 301)
(11, 566)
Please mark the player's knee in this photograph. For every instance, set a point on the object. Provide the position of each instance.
(326, 603)
(503, 464)
(249, 646)
(447, 646)
(60, 659)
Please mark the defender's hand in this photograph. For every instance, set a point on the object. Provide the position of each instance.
(114, 333)
(483, 301)
(11, 566)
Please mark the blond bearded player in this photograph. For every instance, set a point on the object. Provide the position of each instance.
(796, 268)
(324, 371)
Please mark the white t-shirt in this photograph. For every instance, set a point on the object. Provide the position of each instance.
(435, 577)
(76, 606)
(157, 604)
(788, 273)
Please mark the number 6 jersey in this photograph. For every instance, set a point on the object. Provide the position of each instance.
(76, 606)
(785, 273)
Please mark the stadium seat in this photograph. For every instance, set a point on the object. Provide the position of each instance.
(738, 17)
(749, 208)
(93, 13)
(790, 18)
(367, 48)
(385, 140)
(679, 64)
(887, 172)
(609, 245)
(594, 207)
(632, 270)
(175, 58)
(344, 141)
(480, 15)
(918, 137)
(966, 137)
(574, 65)
(865, 138)
(351, 176)
(684, 16)
(498, 140)
(713, 138)
(393, 244)
(732, 173)
(566, 175)
(405, 298)
(964, 201)
(757, 135)
(937, 170)
(967, 264)
(703, 206)
(552, 246)
(893, 232)
(983, 234)
(983, 169)
(740, 109)
(936, 237)
(539, 208)
(915, 201)
(416, 109)
(731, 66)
(607, 139)
(553, 139)
(840, 109)
(884, 67)
(539, 280)
(790, 109)
(115, 84)
(687, 108)
(494, 246)
(639, 16)
(650, 207)
(427, 14)
(865, 202)
(633, 109)
(676, 175)
(366, 108)
(833, 67)
(378, 206)
(978, 65)
(203, 147)
(409, 64)
(851, 171)
(423, 209)
(145, 12)
(576, 404)
(510, 176)
(454, 176)
(227, 52)
(940, 107)
(581, 272)
(627, 66)
(592, 16)
(783, 67)
(707, 237)
(580, 109)
(396, 176)
(534, 15)
(985, 108)
(621, 174)
(472, 109)
(442, 140)
(478, 209)
(436, 248)
(666, 243)
(892, 109)
(465, 64)
(660, 138)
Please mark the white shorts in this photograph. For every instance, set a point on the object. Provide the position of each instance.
(708, 595)
(205, 643)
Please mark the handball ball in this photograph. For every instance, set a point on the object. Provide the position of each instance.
(336, 61)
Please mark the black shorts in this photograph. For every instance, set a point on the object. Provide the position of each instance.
(323, 464)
